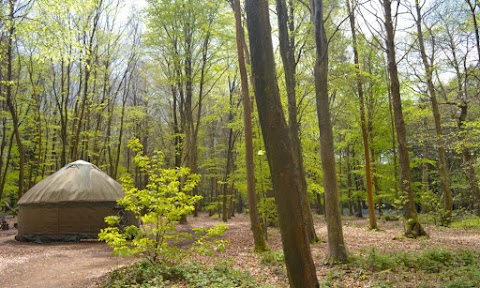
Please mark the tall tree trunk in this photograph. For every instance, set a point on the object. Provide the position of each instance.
(376, 184)
(7, 163)
(229, 155)
(280, 151)
(363, 120)
(442, 157)
(287, 46)
(255, 225)
(396, 179)
(425, 172)
(413, 227)
(349, 181)
(10, 95)
(336, 244)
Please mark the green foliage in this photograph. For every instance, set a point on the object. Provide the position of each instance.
(447, 267)
(434, 261)
(467, 223)
(147, 274)
(165, 199)
(437, 267)
(208, 242)
(272, 257)
(267, 209)
(380, 262)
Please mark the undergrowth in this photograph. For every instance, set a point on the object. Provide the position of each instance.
(472, 223)
(439, 267)
(148, 274)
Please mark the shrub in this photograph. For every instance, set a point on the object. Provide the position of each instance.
(165, 199)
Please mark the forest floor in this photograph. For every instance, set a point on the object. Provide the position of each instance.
(85, 264)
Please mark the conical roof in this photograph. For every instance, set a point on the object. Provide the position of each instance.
(79, 181)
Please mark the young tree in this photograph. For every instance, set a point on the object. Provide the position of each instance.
(280, 151)
(336, 244)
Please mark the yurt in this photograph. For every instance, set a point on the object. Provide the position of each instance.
(69, 205)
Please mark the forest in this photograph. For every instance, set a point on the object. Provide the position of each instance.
(284, 110)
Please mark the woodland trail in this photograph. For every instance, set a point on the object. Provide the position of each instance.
(84, 264)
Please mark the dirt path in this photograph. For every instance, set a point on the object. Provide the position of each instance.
(82, 264)
(55, 265)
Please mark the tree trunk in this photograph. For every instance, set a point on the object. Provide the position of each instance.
(336, 245)
(412, 227)
(11, 102)
(229, 155)
(280, 151)
(442, 158)
(371, 144)
(349, 181)
(255, 225)
(287, 46)
(363, 120)
(425, 172)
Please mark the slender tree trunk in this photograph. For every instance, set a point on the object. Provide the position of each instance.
(120, 133)
(176, 129)
(425, 172)
(11, 102)
(287, 42)
(229, 155)
(442, 157)
(255, 225)
(413, 227)
(3, 146)
(336, 244)
(280, 151)
(363, 120)
(371, 144)
(349, 182)
(396, 179)
(7, 163)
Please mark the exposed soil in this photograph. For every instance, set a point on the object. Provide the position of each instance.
(84, 264)
(55, 265)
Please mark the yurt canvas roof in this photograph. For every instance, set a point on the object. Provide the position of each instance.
(79, 181)
(70, 205)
